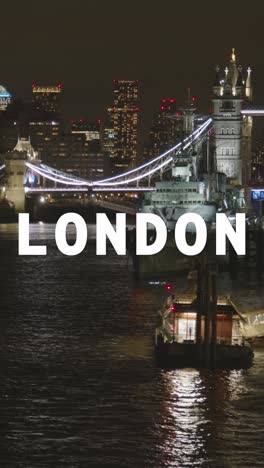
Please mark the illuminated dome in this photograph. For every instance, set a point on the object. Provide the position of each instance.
(5, 98)
(4, 92)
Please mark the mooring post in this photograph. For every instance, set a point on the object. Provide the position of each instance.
(248, 239)
(214, 318)
(207, 323)
(200, 302)
(259, 254)
(232, 261)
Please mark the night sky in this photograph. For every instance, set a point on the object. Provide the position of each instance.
(85, 44)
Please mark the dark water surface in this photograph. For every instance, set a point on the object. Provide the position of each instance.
(79, 386)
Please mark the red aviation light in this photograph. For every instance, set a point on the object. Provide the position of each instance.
(172, 100)
(194, 99)
(174, 307)
(71, 121)
(99, 121)
(168, 287)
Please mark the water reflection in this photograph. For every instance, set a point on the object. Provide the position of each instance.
(79, 385)
(199, 418)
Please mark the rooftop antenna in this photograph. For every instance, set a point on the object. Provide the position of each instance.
(188, 96)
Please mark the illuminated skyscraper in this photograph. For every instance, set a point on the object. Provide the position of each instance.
(124, 118)
(166, 129)
(44, 134)
(91, 130)
(47, 98)
(108, 139)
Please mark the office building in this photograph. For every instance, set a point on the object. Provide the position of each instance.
(124, 118)
(47, 99)
(91, 129)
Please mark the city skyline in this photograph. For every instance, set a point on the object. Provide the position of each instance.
(131, 234)
(94, 46)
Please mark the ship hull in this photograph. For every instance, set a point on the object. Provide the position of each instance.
(186, 354)
(169, 260)
(171, 214)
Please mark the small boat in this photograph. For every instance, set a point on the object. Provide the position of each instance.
(178, 342)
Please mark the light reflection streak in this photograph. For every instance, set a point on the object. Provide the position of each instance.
(193, 400)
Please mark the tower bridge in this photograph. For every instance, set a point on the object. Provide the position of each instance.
(229, 127)
(140, 179)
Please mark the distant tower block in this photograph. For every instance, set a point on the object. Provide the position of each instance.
(47, 99)
(15, 177)
(230, 91)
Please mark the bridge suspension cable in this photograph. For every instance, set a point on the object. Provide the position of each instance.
(134, 175)
(152, 166)
(178, 146)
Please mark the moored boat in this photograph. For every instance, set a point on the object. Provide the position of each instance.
(180, 342)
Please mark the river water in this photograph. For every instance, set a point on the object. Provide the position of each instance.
(79, 385)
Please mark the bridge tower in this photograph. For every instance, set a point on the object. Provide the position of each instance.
(15, 162)
(247, 123)
(232, 132)
(15, 179)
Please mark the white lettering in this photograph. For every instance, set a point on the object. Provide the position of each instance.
(142, 220)
(81, 234)
(23, 238)
(225, 230)
(180, 234)
(105, 229)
